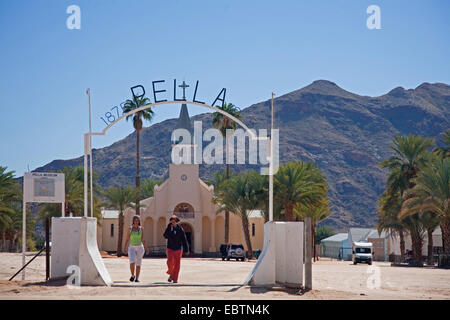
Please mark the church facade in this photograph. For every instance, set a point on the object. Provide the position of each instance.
(190, 198)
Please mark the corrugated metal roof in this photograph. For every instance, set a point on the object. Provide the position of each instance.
(336, 238)
(110, 214)
(359, 234)
(255, 214)
(374, 234)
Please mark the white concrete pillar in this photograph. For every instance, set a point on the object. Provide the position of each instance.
(308, 254)
(74, 244)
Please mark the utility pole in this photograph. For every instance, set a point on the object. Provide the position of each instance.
(271, 165)
(88, 91)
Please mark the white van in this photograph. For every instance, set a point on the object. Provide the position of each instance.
(362, 252)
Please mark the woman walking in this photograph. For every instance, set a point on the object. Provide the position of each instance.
(135, 238)
(176, 243)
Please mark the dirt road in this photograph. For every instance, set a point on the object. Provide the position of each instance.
(202, 278)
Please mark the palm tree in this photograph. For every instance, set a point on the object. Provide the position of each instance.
(119, 198)
(148, 187)
(74, 200)
(6, 213)
(14, 229)
(219, 178)
(298, 183)
(224, 123)
(138, 118)
(74, 196)
(262, 184)
(444, 151)
(430, 222)
(9, 187)
(390, 205)
(10, 194)
(432, 194)
(416, 230)
(410, 156)
(239, 195)
(317, 213)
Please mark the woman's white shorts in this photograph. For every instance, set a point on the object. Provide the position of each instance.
(135, 254)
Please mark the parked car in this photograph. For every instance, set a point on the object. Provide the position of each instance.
(232, 251)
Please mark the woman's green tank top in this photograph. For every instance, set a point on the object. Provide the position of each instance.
(135, 237)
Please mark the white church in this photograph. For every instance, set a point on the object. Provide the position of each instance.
(189, 197)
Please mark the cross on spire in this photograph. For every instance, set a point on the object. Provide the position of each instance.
(184, 86)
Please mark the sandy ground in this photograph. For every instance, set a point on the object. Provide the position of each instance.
(202, 278)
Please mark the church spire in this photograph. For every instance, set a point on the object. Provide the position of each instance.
(183, 120)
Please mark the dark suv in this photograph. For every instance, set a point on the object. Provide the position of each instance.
(232, 251)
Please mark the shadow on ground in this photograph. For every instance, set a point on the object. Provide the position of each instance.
(50, 283)
(291, 291)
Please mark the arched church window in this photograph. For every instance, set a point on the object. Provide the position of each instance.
(184, 210)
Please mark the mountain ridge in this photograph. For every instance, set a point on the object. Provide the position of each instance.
(344, 133)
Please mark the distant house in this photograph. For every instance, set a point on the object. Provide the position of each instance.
(381, 242)
(437, 243)
(186, 195)
(335, 246)
(384, 244)
(358, 235)
(381, 245)
(108, 230)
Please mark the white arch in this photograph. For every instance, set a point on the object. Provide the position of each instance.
(151, 105)
(87, 146)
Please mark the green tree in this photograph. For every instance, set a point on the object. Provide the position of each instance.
(148, 187)
(298, 183)
(410, 156)
(138, 117)
(239, 194)
(430, 222)
(10, 195)
(262, 183)
(389, 207)
(224, 123)
(74, 196)
(219, 178)
(317, 212)
(14, 230)
(432, 194)
(444, 151)
(323, 232)
(119, 198)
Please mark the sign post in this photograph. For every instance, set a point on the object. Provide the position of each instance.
(41, 187)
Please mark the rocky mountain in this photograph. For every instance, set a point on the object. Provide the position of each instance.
(346, 134)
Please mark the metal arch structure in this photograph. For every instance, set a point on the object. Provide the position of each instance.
(151, 105)
(88, 149)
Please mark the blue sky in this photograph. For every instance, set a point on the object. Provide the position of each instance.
(250, 47)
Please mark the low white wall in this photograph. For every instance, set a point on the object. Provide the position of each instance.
(281, 261)
(74, 242)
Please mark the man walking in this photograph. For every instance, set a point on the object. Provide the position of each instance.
(176, 243)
